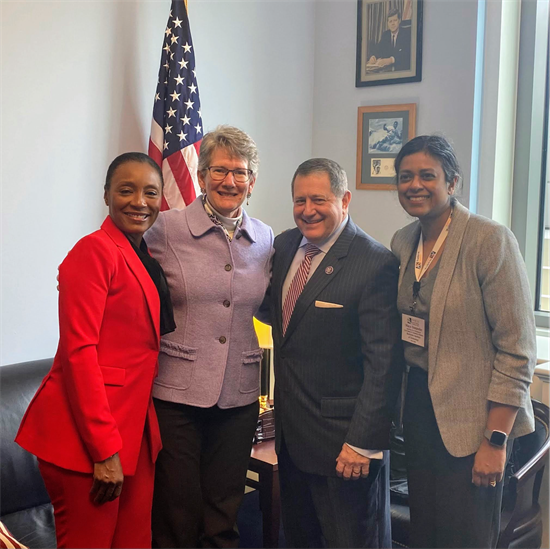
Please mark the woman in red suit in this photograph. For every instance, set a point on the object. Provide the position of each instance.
(92, 423)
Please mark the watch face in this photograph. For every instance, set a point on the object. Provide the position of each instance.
(498, 438)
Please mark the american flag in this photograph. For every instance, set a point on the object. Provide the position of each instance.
(176, 130)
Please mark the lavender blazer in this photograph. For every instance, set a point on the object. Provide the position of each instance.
(216, 286)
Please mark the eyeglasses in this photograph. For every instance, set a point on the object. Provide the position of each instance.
(219, 173)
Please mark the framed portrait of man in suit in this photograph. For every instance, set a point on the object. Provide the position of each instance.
(389, 42)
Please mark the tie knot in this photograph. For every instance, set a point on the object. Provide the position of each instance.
(311, 250)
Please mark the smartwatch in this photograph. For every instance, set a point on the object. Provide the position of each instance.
(496, 438)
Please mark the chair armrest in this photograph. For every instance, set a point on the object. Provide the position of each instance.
(522, 510)
(532, 466)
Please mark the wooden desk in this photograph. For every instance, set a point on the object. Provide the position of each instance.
(263, 461)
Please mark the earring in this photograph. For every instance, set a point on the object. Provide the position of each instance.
(248, 198)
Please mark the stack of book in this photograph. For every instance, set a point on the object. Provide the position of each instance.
(266, 426)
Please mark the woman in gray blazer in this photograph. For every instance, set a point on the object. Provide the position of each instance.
(217, 261)
(469, 339)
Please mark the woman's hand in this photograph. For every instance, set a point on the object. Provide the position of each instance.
(108, 479)
(489, 464)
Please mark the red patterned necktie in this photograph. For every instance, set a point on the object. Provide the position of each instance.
(297, 284)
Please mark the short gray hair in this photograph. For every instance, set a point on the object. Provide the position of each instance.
(237, 143)
(336, 174)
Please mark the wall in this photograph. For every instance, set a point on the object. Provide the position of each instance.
(78, 81)
(256, 72)
(73, 97)
(444, 97)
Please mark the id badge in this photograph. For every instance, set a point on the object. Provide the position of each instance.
(413, 330)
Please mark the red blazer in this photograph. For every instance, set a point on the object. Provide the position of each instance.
(96, 399)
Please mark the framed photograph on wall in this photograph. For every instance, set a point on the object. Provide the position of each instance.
(389, 42)
(381, 132)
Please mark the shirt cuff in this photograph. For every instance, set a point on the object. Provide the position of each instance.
(371, 454)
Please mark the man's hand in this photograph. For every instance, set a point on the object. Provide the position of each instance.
(351, 465)
(108, 479)
(489, 464)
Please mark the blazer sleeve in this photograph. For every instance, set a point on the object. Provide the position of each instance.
(382, 354)
(156, 238)
(507, 301)
(263, 314)
(84, 280)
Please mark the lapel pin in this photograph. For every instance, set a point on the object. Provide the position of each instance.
(329, 270)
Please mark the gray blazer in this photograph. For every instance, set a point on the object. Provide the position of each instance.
(216, 286)
(482, 344)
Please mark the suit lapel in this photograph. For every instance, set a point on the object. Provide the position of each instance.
(284, 254)
(139, 271)
(447, 266)
(409, 247)
(322, 276)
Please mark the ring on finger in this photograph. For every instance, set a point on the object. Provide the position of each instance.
(493, 483)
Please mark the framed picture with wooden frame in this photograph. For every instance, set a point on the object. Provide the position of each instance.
(389, 42)
(381, 132)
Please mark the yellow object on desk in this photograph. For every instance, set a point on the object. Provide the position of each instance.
(263, 331)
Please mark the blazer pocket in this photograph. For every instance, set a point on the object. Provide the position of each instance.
(177, 374)
(337, 407)
(172, 348)
(113, 376)
(250, 371)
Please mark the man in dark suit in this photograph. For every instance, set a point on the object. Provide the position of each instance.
(394, 48)
(337, 366)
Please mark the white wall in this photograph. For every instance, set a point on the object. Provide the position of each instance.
(78, 80)
(73, 96)
(444, 97)
(256, 72)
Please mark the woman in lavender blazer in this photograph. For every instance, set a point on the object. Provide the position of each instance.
(217, 262)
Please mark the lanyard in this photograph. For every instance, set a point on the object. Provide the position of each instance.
(419, 271)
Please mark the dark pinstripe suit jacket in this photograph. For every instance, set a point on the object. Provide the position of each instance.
(337, 370)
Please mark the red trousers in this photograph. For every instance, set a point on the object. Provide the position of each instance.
(122, 523)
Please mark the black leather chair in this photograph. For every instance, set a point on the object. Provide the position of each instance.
(25, 506)
(26, 510)
(521, 522)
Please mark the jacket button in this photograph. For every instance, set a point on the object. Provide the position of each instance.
(222, 340)
(228, 267)
(226, 303)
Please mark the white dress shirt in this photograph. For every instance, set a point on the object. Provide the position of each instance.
(315, 262)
